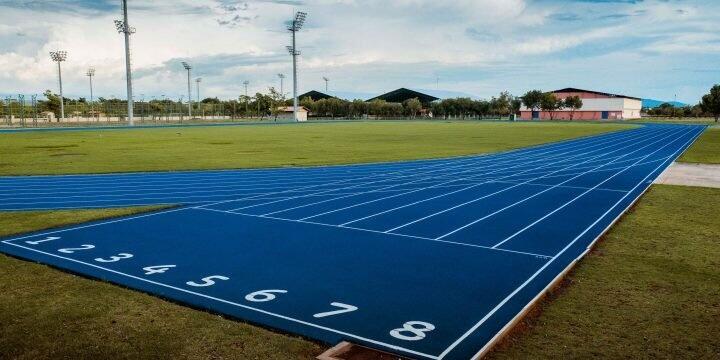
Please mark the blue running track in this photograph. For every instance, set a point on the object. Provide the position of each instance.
(428, 259)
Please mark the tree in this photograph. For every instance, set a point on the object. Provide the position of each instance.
(413, 107)
(711, 102)
(532, 99)
(574, 103)
(276, 103)
(551, 104)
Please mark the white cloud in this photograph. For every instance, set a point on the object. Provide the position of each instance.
(475, 46)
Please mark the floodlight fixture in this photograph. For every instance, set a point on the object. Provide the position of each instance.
(123, 27)
(90, 73)
(197, 89)
(295, 25)
(58, 57)
(282, 77)
(326, 83)
(189, 88)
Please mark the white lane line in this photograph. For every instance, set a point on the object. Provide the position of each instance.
(170, 176)
(580, 196)
(543, 191)
(511, 187)
(555, 257)
(377, 232)
(563, 155)
(269, 313)
(314, 175)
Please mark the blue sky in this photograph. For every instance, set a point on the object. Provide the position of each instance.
(651, 48)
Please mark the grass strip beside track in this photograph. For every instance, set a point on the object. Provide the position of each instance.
(196, 148)
(649, 290)
(48, 314)
(706, 149)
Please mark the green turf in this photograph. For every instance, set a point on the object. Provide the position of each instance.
(48, 314)
(67, 152)
(650, 290)
(706, 149)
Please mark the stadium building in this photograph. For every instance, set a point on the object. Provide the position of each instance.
(596, 106)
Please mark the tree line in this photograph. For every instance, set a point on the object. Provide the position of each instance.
(268, 105)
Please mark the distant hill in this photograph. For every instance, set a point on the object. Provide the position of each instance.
(651, 104)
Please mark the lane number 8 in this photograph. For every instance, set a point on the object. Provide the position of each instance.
(417, 329)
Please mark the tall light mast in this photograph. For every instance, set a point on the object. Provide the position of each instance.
(282, 77)
(123, 27)
(326, 83)
(295, 26)
(188, 68)
(60, 56)
(197, 89)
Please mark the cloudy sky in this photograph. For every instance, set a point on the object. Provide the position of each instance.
(651, 48)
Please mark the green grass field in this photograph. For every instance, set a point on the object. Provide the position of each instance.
(71, 152)
(650, 290)
(706, 149)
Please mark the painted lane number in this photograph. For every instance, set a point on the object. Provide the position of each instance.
(207, 281)
(73, 250)
(416, 329)
(157, 269)
(115, 258)
(263, 295)
(344, 308)
(49, 238)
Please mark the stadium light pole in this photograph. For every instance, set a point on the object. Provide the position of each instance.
(326, 83)
(197, 89)
(60, 56)
(246, 83)
(123, 27)
(295, 26)
(282, 77)
(188, 68)
(90, 73)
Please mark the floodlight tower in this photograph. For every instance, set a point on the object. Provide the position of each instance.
(326, 83)
(246, 83)
(282, 77)
(197, 88)
(60, 56)
(90, 73)
(295, 26)
(123, 27)
(188, 68)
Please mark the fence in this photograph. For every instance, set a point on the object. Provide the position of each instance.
(24, 111)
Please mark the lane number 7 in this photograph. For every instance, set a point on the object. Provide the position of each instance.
(344, 308)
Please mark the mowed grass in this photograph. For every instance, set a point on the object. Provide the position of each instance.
(650, 290)
(253, 146)
(706, 149)
(49, 314)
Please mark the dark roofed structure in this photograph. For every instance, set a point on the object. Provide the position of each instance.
(402, 94)
(315, 95)
(574, 90)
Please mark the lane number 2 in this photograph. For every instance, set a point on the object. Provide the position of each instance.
(73, 250)
(207, 281)
(416, 329)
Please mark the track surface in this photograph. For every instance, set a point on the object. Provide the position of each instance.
(430, 259)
